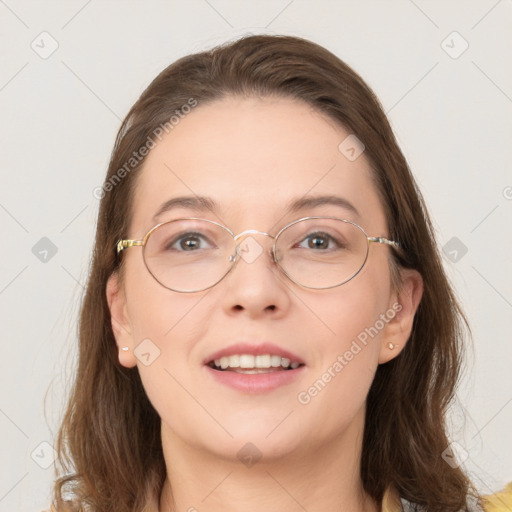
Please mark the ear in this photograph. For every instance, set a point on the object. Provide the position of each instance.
(404, 302)
(119, 318)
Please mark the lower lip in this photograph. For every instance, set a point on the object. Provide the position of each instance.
(256, 382)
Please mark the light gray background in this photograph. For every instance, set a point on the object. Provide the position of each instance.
(59, 116)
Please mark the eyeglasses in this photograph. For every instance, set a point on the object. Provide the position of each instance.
(191, 254)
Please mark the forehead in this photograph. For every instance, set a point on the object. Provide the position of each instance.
(253, 156)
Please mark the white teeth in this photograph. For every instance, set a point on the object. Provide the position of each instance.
(275, 361)
(247, 361)
(263, 361)
(252, 371)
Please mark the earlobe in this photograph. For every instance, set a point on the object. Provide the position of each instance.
(121, 327)
(405, 304)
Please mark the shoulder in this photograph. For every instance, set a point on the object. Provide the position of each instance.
(499, 501)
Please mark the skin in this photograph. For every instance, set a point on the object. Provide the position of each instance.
(253, 155)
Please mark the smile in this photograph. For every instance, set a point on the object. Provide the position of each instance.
(251, 364)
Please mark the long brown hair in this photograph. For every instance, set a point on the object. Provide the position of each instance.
(109, 441)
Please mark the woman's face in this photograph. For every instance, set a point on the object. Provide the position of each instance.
(254, 157)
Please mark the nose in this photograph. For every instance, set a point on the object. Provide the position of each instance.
(255, 284)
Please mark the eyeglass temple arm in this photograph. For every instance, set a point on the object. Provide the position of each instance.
(124, 244)
(382, 240)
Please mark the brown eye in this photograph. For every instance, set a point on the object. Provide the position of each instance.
(187, 242)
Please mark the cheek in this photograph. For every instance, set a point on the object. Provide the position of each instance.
(352, 349)
(352, 312)
(155, 312)
(164, 326)
(349, 349)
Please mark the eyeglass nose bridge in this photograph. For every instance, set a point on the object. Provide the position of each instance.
(252, 232)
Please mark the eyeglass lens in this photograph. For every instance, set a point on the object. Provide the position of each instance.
(193, 255)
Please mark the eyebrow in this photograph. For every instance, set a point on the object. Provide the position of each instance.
(202, 204)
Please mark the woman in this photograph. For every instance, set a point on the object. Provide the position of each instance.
(267, 324)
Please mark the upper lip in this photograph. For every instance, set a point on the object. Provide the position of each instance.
(253, 349)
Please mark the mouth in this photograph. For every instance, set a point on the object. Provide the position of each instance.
(249, 364)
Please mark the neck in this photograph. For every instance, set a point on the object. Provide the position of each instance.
(324, 477)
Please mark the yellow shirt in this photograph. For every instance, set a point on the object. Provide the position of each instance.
(498, 502)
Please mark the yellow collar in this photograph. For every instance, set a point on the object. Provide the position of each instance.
(391, 501)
